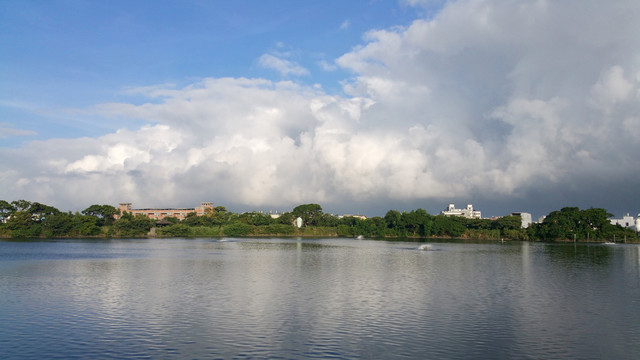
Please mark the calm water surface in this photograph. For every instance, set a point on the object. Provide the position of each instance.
(331, 298)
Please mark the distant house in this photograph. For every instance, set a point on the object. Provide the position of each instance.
(159, 214)
(360, 217)
(468, 213)
(627, 221)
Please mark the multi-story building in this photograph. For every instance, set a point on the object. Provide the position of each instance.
(526, 218)
(469, 213)
(627, 221)
(159, 214)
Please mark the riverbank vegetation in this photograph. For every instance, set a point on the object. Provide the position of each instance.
(25, 219)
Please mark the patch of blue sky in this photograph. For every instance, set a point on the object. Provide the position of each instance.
(74, 54)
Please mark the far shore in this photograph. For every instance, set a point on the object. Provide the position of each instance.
(318, 236)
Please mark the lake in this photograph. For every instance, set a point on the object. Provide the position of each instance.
(317, 298)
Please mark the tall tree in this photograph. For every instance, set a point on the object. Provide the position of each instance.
(6, 209)
(21, 205)
(104, 212)
(40, 211)
(393, 219)
(310, 213)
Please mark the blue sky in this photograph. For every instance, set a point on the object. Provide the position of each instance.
(361, 106)
(72, 54)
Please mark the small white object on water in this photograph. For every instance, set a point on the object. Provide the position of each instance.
(424, 247)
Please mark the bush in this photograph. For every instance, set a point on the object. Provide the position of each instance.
(277, 229)
(237, 229)
(206, 231)
(174, 230)
(483, 234)
(520, 234)
(137, 226)
(344, 230)
(30, 232)
(319, 231)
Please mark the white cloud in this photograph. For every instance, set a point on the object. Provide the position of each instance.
(283, 66)
(7, 130)
(612, 88)
(486, 98)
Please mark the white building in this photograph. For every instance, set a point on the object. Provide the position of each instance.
(469, 213)
(526, 218)
(627, 221)
(361, 217)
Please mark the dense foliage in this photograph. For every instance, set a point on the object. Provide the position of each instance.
(27, 219)
(581, 225)
(23, 219)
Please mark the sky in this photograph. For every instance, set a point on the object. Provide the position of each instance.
(359, 106)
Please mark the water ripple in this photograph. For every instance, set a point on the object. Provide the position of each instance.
(337, 299)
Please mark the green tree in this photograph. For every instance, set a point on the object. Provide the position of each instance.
(571, 223)
(417, 222)
(310, 213)
(218, 216)
(106, 213)
(345, 230)
(21, 205)
(39, 211)
(510, 222)
(58, 225)
(328, 220)
(255, 218)
(595, 218)
(380, 225)
(192, 219)
(284, 229)
(286, 219)
(132, 226)
(6, 208)
(22, 225)
(86, 225)
(393, 219)
(171, 219)
(453, 226)
(20, 220)
(348, 221)
(175, 230)
(479, 224)
(237, 229)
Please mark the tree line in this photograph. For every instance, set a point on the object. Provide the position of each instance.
(25, 219)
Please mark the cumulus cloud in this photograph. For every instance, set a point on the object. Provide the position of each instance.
(612, 88)
(484, 100)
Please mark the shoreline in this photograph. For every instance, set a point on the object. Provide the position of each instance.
(315, 236)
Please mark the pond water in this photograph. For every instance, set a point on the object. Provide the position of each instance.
(317, 298)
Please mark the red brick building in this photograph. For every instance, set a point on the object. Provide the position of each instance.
(159, 214)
